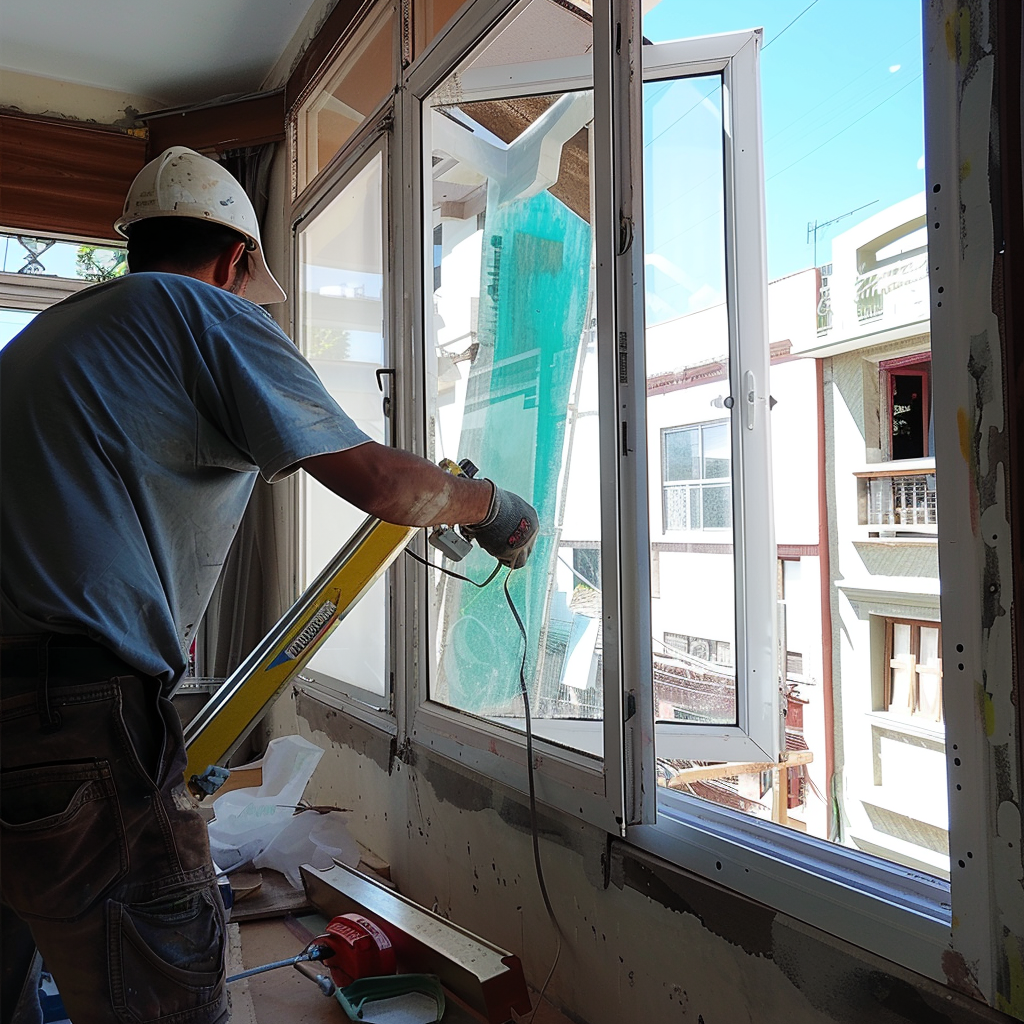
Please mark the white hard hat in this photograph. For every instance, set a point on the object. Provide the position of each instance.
(182, 183)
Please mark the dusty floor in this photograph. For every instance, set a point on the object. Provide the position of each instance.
(286, 995)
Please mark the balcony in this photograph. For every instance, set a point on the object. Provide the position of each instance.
(898, 498)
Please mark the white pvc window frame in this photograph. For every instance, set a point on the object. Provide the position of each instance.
(759, 730)
(570, 779)
(305, 157)
(899, 914)
(610, 790)
(370, 144)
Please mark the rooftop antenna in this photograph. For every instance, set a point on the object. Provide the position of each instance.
(815, 227)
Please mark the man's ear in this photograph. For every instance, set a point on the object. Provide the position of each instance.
(227, 261)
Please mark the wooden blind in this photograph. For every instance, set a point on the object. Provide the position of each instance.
(64, 177)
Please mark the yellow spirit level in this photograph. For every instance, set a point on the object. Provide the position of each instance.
(221, 726)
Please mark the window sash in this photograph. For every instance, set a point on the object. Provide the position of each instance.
(569, 776)
(759, 731)
(367, 705)
(627, 771)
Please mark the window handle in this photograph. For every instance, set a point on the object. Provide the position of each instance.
(750, 395)
(381, 373)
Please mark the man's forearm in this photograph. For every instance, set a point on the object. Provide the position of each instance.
(400, 487)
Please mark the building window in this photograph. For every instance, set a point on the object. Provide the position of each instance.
(906, 391)
(913, 660)
(717, 651)
(695, 469)
(342, 305)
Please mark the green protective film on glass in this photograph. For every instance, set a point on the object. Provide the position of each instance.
(533, 302)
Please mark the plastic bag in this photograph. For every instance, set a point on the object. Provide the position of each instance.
(309, 838)
(247, 820)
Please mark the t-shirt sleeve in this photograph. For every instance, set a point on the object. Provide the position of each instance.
(263, 395)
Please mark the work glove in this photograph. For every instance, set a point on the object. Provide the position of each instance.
(509, 529)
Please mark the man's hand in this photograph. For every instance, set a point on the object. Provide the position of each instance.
(509, 529)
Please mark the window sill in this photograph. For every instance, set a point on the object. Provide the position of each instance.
(922, 536)
(919, 727)
(900, 914)
(366, 711)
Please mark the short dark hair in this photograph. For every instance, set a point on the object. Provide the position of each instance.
(185, 243)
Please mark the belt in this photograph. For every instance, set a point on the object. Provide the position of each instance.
(60, 656)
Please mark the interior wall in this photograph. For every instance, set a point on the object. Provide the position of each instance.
(644, 941)
(31, 94)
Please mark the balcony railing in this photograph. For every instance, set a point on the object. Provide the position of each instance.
(899, 497)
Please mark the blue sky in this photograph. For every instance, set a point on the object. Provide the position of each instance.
(842, 108)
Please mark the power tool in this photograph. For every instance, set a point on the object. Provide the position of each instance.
(447, 539)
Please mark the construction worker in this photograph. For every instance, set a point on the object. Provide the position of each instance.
(135, 417)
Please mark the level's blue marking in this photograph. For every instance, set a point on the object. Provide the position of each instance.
(320, 621)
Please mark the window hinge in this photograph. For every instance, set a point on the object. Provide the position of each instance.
(401, 753)
(625, 234)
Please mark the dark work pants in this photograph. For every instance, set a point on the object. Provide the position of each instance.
(104, 862)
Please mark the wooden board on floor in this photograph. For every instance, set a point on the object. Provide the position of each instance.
(275, 897)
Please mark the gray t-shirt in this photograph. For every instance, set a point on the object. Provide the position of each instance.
(134, 417)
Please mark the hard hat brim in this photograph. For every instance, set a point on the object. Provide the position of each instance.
(262, 288)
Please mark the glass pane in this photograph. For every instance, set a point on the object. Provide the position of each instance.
(511, 386)
(11, 323)
(687, 366)
(901, 639)
(682, 454)
(930, 647)
(54, 257)
(717, 507)
(717, 451)
(365, 74)
(847, 262)
(429, 17)
(929, 676)
(342, 310)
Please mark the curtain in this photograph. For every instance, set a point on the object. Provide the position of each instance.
(255, 587)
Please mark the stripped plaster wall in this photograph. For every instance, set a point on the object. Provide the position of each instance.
(644, 941)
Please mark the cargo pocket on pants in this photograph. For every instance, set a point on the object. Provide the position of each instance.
(63, 838)
(167, 958)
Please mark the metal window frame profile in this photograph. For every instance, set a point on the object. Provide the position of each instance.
(372, 142)
(616, 787)
(585, 786)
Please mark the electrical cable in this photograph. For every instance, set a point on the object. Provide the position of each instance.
(789, 26)
(534, 830)
(455, 575)
(533, 799)
(847, 128)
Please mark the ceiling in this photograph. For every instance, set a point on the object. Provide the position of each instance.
(172, 51)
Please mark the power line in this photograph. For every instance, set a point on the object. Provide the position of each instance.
(844, 87)
(841, 111)
(789, 26)
(717, 88)
(847, 128)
